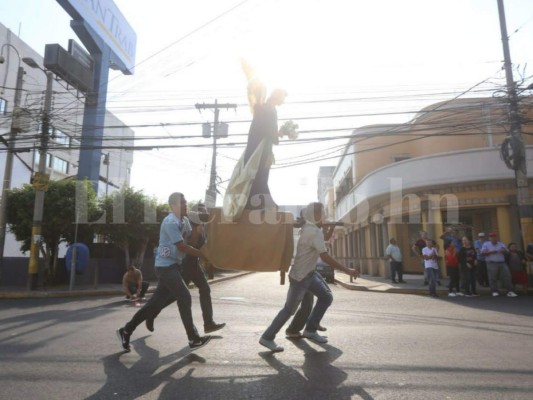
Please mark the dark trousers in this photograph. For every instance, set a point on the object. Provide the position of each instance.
(169, 285)
(396, 267)
(469, 279)
(302, 315)
(192, 272)
(482, 275)
(144, 288)
(453, 273)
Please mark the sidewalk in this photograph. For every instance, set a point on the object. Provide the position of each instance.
(414, 285)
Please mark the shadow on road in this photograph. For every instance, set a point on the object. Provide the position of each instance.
(320, 379)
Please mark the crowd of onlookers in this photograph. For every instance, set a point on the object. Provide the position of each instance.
(485, 262)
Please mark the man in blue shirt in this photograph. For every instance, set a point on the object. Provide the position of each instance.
(494, 252)
(169, 257)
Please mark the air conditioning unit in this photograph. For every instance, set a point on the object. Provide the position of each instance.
(60, 62)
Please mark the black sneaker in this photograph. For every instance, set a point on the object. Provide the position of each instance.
(213, 327)
(124, 338)
(149, 324)
(200, 342)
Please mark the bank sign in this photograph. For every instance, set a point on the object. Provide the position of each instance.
(107, 21)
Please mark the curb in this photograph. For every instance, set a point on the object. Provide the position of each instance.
(91, 292)
(419, 292)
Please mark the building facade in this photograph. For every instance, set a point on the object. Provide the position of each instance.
(66, 119)
(443, 168)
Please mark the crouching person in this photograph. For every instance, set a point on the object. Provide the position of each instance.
(133, 284)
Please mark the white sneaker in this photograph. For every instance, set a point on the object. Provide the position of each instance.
(314, 336)
(270, 344)
(511, 294)
(495, 294)
(452, 294)
(459, 294)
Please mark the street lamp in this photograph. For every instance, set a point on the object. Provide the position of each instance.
(8, 169)
(40, 180)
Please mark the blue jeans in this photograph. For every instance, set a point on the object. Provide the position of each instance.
(303, 313)
(313, 283)
(433, 276)
(169, 285)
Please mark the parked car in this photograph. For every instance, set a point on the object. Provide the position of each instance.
(326, 271)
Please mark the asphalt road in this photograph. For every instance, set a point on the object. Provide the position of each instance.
(381, 346)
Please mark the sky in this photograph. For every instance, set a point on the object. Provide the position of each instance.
(344, 63)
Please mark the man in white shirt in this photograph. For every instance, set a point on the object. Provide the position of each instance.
(431, 265)
(394, 255)
(303, 277)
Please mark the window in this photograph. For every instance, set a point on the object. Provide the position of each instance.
(3, 106)
(60, 165)
(61, 138)
(36, 158)
(344, 187)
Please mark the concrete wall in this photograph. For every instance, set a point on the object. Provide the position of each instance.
(99, 271)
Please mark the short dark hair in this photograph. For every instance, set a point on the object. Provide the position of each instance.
(175, 198)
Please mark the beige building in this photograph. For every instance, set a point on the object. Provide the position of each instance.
(441, 169)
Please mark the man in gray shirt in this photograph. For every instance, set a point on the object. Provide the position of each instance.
(494, 252)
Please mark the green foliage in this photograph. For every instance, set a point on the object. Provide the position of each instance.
(59, 212)
(59, 217)
(127, 218)
(130, 221)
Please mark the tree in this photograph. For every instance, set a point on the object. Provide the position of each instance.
(131, 222)
(59, 218)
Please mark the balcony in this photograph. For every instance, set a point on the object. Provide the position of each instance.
(467, 166)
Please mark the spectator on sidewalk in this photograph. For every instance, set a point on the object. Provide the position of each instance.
(468, 262)
(451, 258)
(482, 276)
(431, 265)
(133, 284)
(394, 255)
(417, 249)
(516, 261)
(494, 252)
(451, 235)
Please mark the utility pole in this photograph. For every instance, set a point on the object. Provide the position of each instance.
(15, 126)
(524, 203)
(40, 183)
(106, 163)
(211, 193)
